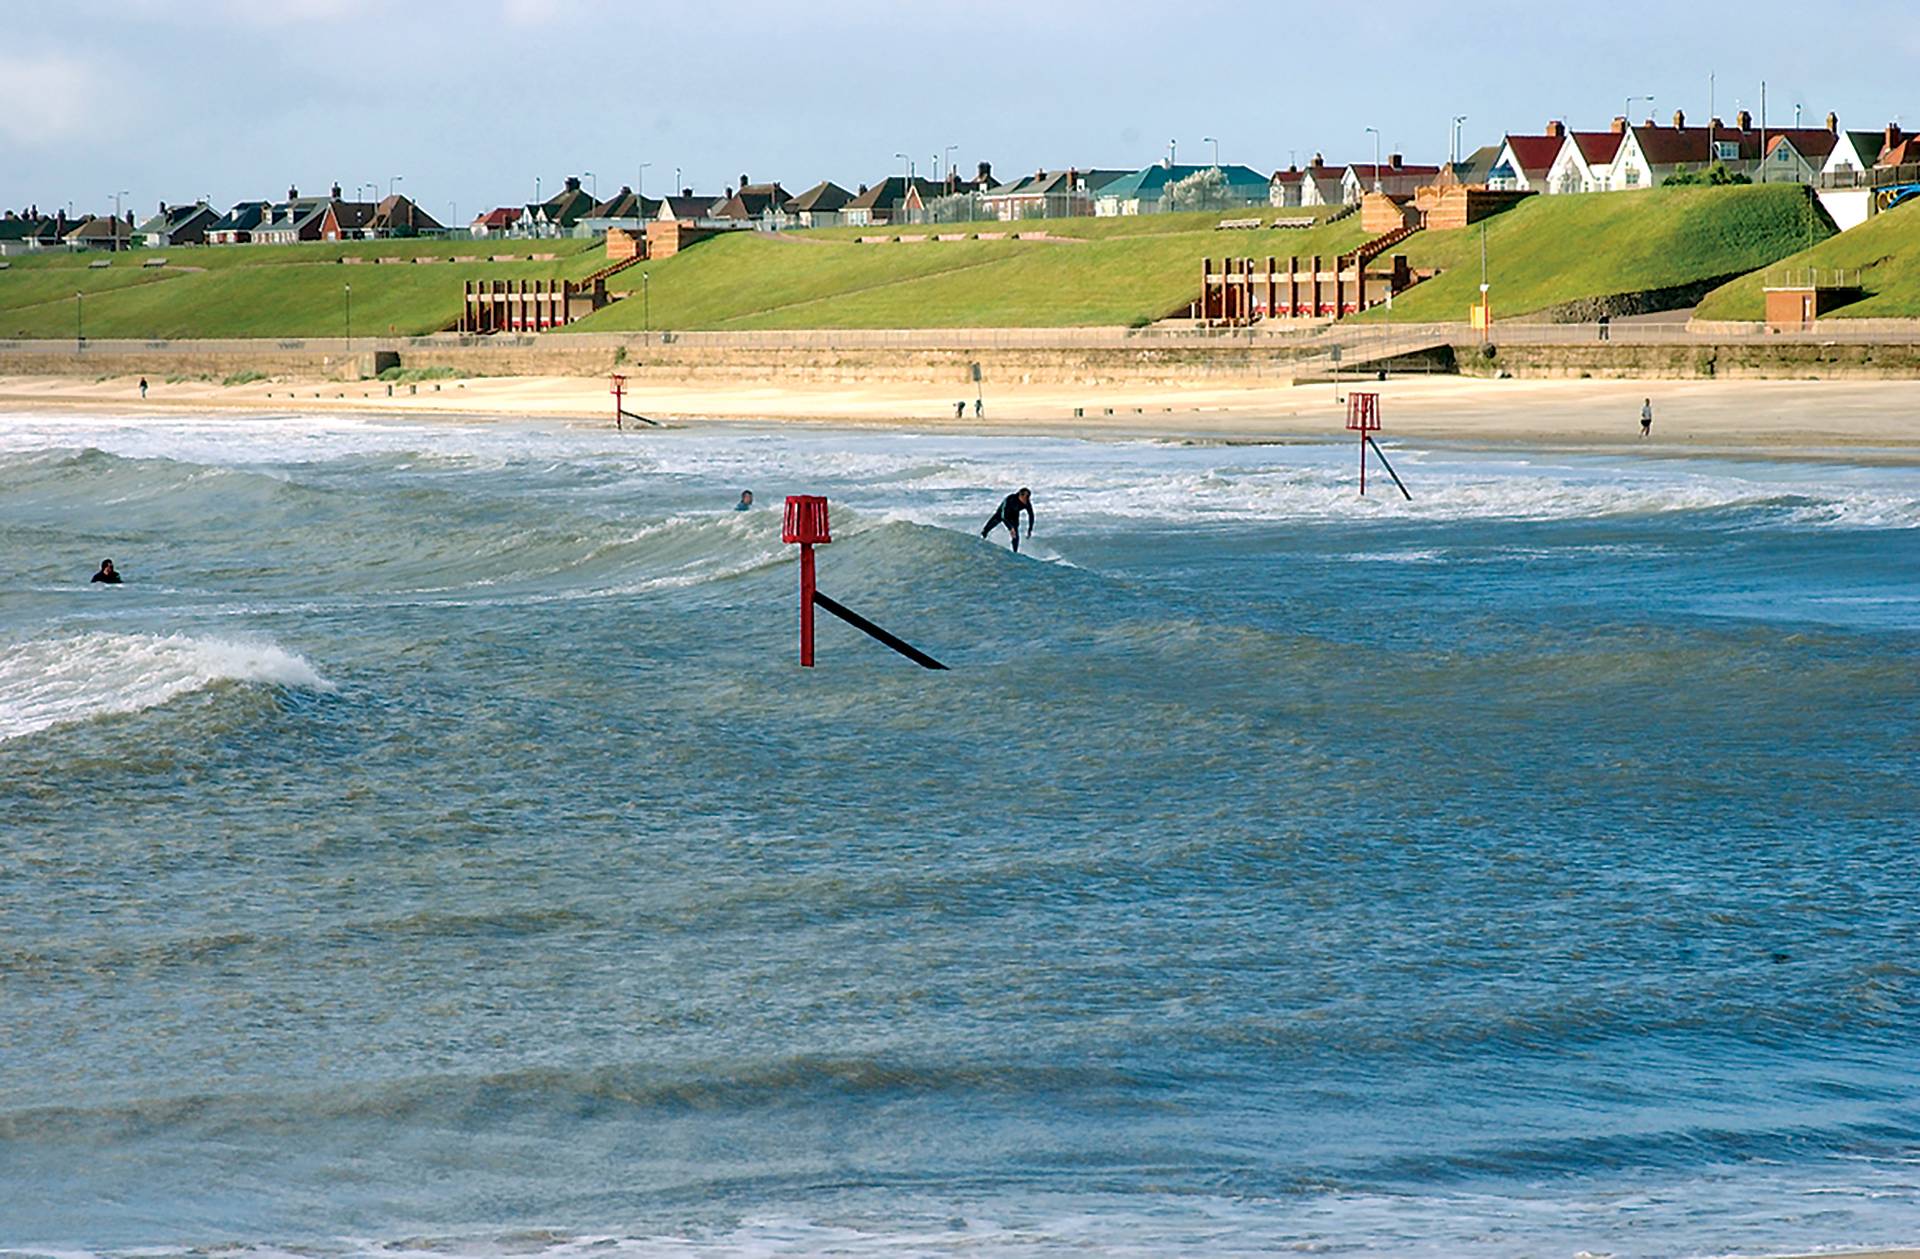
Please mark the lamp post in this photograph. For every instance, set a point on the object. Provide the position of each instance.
(392, 180)
(347, 292)
(117, 228)
(646, 304)
(594, 185)
(1216, 148)
(675, 190)
(1457, 120)
(951, 150)
(1376, 157)
(79, 321)
(640, 182)
(1172, 148)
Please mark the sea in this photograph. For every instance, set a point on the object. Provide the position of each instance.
(434, 848)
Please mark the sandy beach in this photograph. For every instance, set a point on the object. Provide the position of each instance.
(1873, 420)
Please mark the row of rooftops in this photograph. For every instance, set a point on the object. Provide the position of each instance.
(294, 217)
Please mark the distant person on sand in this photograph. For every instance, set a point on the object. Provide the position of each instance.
(1646, 419)
(1009, 515)
(960, 409)
(143, 387)
(746, 501)
(979, 407)
(107, 573)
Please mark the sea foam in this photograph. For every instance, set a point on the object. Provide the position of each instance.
(57, 681)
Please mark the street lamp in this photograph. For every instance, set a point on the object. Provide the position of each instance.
(1171, 149)
(392, 180)
(675, 190)
(640, 182)
(116, 221)
(950, 151)
(347, 290)
(1376, 157)
(595, 186)
(1457, 120)
(1216, 148)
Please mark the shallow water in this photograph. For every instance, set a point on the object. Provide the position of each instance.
(434, 849)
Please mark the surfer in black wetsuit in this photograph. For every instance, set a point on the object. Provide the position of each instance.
(1009, 515)
(107, 573)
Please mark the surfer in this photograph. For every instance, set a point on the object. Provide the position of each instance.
(107, 573)
(1008, 514)
(746, 501)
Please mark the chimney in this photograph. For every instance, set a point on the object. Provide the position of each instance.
(862, 192)
(1679, 119)
(1073, 177)
(1393, 160)
(1318, 161)
(1556, 128)
(985, 172)
(1743, 121)
(573, 183)
(1620, 125)
(686, 192)
(1833, 124)
(1716, 124)
(335, 194)
(1893, 134)
(293, 193)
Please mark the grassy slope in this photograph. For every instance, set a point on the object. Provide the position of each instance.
(265, 290)
(1550, 250)
(1886, 249)
(1122, 271)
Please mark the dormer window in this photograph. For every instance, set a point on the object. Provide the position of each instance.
(1726, 150)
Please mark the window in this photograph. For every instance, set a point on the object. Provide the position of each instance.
(1633, 176)
(1726, 150)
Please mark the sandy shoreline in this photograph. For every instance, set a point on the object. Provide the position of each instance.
(1860, 421)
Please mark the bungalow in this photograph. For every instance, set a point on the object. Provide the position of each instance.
(687, 208)
(1854, 154)
(1525, 161)
(294, 220)
(398, 216)
(1320, 183)
(1650, 155)
(237, 225)
(1585, 160)
(497, 222)
(1394, 178)
(1473, 170)
(1047, 194)
(1284, 187)
(1163, 188)
(626, 210)
(31, 232)
(885, 202)
(1796, 157)
(178, 225)
(101, 232)
(759, 204)
(820, 205)
(556, 215)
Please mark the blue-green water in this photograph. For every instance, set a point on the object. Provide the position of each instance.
(433, 849)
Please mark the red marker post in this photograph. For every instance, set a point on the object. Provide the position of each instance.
(1363, 417)
(619, 393)
(806, 523)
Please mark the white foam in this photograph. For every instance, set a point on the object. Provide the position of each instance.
(57, 681)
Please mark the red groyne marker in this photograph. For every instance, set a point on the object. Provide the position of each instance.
(620, 412)
(805, 523)
(1363, 417)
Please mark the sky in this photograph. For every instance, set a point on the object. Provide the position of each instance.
(464, 106)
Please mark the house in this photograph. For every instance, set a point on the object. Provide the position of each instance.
(1320, 183)
(819, 206)
(1525, 161)
(1473, 170)
(1904, 151)
(178, 225)
(496, 222)
(294, 220)
(1651, 154)
(399, 217)
(885, 202)
(1585, 160)
(1047, 194)
(1284, 186)
(102, 231)
(1797, 158)
(236, 226)
(1163, 187)
(688, 207)
(556, 215)
(1854, 154)
(758, 204)
(1393, 178)
(31, 232)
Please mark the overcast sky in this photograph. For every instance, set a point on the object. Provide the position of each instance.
(467, 104)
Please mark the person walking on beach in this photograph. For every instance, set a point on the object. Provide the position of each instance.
(143, 388)
(746, 501)
(107, 573)
(1646, 419)
(960, 409)
(1008, 514)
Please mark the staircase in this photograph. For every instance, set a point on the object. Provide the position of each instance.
(1378, 245)
(611, 269)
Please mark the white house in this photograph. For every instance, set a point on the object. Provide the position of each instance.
(1585, 160)
(1525, 161)
(1393, 177)
(1854, 153)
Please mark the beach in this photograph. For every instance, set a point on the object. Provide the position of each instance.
(434, 849)
(1862, 419)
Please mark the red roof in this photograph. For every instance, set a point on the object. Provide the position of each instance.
(1534, 153)
(1598, 147)
(1905, 153)
(503, 217)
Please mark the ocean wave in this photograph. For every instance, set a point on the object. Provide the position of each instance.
(58, 681)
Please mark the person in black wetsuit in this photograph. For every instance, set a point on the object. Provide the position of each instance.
(1009, 515)
(107, 573)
